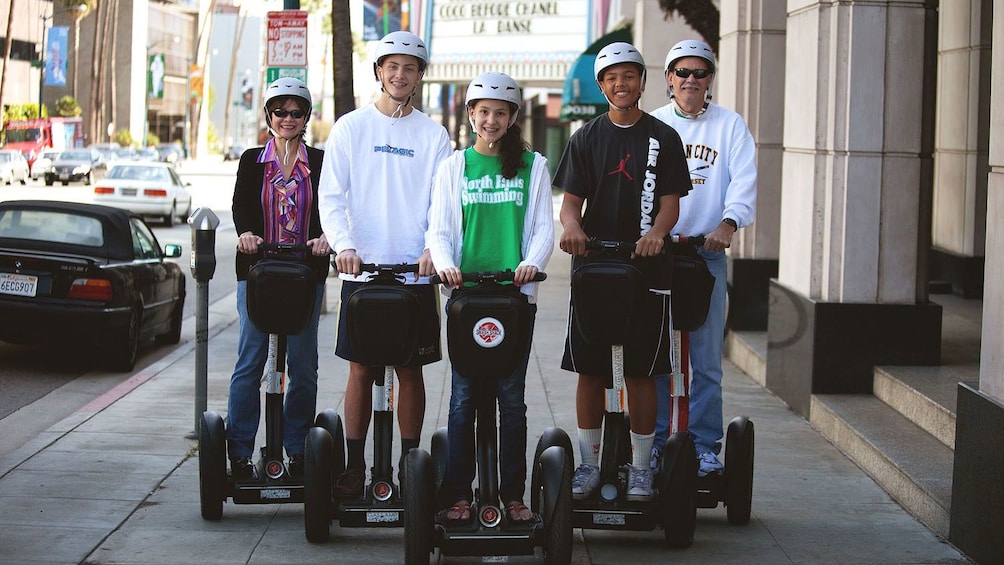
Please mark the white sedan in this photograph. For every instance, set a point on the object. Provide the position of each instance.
(150, 189)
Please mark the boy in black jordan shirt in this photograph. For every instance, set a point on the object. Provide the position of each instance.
(630, 171)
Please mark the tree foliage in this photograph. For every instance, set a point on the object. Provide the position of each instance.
(67, 107)
(701, 15)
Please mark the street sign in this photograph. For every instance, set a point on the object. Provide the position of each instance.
(287, 39)
(275, 73)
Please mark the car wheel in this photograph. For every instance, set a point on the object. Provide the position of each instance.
(122, 353)
(171, 215)
(48, 181)
(87, 179)
(24, 180)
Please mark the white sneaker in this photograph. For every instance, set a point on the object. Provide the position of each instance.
(585, 481)
(708, 463)
(639, 484)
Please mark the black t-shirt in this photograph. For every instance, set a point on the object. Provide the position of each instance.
(621, 173)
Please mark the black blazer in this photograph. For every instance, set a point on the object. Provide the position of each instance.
(249, 216)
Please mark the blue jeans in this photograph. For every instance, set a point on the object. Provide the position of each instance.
(705, 419)
(244, 402)
(512, 430)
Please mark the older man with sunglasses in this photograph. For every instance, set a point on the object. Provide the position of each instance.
(721, 156)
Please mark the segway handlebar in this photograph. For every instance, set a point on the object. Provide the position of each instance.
(627, 247)
(283, 249)
(695, 240)
(488, 276)
(389, 268)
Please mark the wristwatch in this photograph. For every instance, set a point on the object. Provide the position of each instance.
(731, 222)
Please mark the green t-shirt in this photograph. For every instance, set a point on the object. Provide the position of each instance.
(494, 208)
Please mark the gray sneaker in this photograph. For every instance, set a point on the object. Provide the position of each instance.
(639, 484)
(655, 463)
(585, 481)
(708, 464)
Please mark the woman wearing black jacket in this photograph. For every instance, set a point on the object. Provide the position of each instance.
(275, 201)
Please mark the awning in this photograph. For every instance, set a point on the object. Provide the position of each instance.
(581, 98)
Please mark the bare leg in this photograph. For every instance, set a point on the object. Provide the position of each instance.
(411, 401)
(589, 401)
(642, 405)
(358, 405)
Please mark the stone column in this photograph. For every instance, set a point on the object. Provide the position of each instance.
(846, 294)
(977, 507)
(962, 138)
(750, 80)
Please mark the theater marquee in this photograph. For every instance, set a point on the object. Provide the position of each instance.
(534, 42)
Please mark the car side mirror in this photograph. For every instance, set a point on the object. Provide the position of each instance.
(172, 251)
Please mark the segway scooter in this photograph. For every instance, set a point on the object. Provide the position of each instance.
(382, 317)
(280, 298)
(734, 487)
(487, 329)
(604, 288)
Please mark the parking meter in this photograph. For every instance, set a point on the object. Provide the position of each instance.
(204, 223)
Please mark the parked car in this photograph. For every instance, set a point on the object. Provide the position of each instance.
(147, 154)
(151, 189)
(169, 152)
(72, 165)
(89, 276)
(106, 153)
(234, 152)
(42, 163)
(13, 167)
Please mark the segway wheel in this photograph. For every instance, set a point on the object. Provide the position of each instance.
(440, 459)
(551, 436)
(212, 465)
(418, 510)
(554, 466)
(331, 421)
(678, 491)
(739, 471)
(317, 485)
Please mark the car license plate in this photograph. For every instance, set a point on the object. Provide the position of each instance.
(64, 176)
(128, 192)
(18, 285)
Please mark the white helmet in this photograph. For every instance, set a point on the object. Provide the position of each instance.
(287, 86)
(494, 86)
(615, 54)
(690, 48)
(402, 43)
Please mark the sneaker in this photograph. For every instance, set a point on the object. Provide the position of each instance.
(585, 481)
(655, 463)
(350, 484)
(639, 484)
(295, 466)
(708, 464)
(243, 468)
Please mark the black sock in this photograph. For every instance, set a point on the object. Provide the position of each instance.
(357, 454)
(407, 445)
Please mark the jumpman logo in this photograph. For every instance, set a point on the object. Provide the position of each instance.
(621, 168)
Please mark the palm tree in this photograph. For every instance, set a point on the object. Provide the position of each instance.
(699, 14)
(341, 46)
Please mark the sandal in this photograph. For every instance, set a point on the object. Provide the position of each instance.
(517, 512)
(459, 513)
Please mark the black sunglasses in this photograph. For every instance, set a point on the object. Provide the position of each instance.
(698, 73)
(282, 113)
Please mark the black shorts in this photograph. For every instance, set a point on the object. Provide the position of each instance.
(646, 353)
(428, 349)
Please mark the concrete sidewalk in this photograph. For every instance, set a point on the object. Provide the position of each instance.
(117, 481)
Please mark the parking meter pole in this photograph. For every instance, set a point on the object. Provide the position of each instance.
(204, 223)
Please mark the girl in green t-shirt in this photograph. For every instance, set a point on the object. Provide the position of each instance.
(491, 211)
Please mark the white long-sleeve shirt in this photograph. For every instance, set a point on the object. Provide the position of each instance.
(721, 156)
(376, 184)
(446, 231)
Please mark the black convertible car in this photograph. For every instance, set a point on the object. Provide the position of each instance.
(86, 275)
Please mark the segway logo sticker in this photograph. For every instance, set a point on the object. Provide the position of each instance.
(488, 333)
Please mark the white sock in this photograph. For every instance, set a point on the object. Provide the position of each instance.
(589, 446)
(641, 449)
